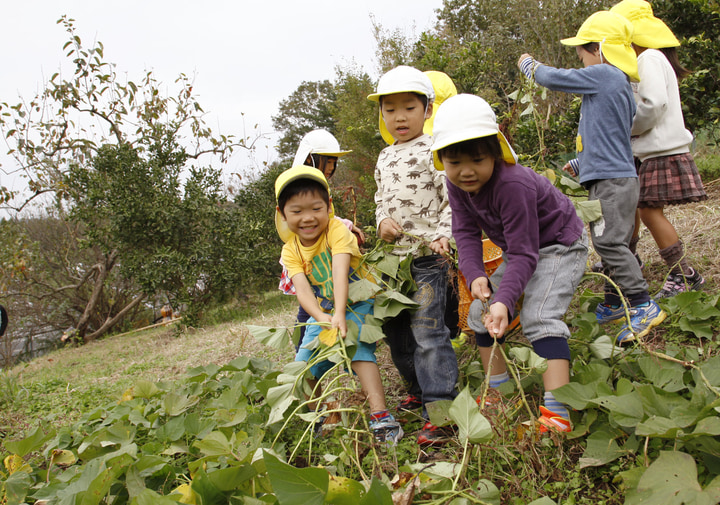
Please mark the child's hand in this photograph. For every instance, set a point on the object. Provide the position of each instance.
(480, 289)
(389, 230)
(522, 57)
(496, 319)
(440, 246)
(359, 234)
(339, 321)
(569, 169)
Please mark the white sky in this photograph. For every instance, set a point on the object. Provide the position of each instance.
(245, 56)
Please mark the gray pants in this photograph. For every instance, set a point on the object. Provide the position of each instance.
(611, 233)
(548, 293)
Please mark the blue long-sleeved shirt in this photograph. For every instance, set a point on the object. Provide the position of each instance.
(606, 116)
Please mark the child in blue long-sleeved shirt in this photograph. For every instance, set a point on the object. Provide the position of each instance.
(605, 163)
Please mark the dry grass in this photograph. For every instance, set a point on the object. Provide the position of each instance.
(698, 225)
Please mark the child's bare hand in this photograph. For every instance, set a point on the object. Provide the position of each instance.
(569, 169)
(340, 322)
(359, 234)
(389, 230)
(522, 57)
(496, 319)
(480, 289)
(440, 246)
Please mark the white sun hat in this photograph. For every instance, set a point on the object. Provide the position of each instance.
(463, 117)
(318, 142)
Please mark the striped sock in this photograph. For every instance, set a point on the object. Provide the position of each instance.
(380, 414)
(496, 380)
(555, 406)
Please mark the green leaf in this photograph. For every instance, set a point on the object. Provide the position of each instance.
(472, 425)
(215, 444)
(145, 389)
(604, 347)
(277, 338)
(363, 289)
(488, 492)
(439, 412)
(175, 404)
(626, 410)
(601, 449)
(149, 497)
(378, 494)
(16, 487)
(659, 427)
(543, 501)
(31, 443)
(671, 480)
(588, 210)
(344, 491)
(296, 486)
(663, 374)
(530, 359)
(371, 333)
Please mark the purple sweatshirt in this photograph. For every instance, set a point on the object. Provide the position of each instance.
(521, 212)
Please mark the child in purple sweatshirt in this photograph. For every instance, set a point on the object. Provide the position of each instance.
(544, 244)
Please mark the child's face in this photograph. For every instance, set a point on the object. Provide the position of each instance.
(468, 172)
(404, 116)
(307, 216)
(588, 58)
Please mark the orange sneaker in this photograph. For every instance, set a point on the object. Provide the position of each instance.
(550, 421)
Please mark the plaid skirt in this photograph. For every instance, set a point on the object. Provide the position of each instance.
(669, 180)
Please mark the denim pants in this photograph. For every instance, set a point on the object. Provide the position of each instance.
(419, 340)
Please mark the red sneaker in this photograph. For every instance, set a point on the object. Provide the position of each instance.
(411, 402)
(550, 421)
(435, 435)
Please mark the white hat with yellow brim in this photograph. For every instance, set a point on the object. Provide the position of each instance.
(318, 142)
(465, 117)
(614, 34)
(402, 79)
(285, 178)
(648, 31)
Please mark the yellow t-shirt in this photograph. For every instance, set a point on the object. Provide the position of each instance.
(316, 261)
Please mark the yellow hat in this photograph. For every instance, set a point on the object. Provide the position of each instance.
(614, 34)
(443, 87)
(464, 117)
(648, 31)
(285, 178)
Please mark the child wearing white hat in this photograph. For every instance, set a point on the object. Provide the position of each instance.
(668, 174)
(543, 240)
(605, 163)
(413, 213)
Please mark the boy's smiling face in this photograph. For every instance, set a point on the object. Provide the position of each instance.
(404, 115)
(307, 216)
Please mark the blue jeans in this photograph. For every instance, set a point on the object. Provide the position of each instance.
(419, 340)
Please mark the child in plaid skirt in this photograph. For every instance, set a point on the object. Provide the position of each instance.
(660, 142)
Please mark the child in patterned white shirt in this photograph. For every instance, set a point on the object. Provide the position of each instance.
(412, 206)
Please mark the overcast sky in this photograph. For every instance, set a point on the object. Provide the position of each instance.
(245, 56)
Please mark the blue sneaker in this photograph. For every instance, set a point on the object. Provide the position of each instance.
(642, 319)
(608, 313)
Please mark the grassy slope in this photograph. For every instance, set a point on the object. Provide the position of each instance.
(60, 385)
